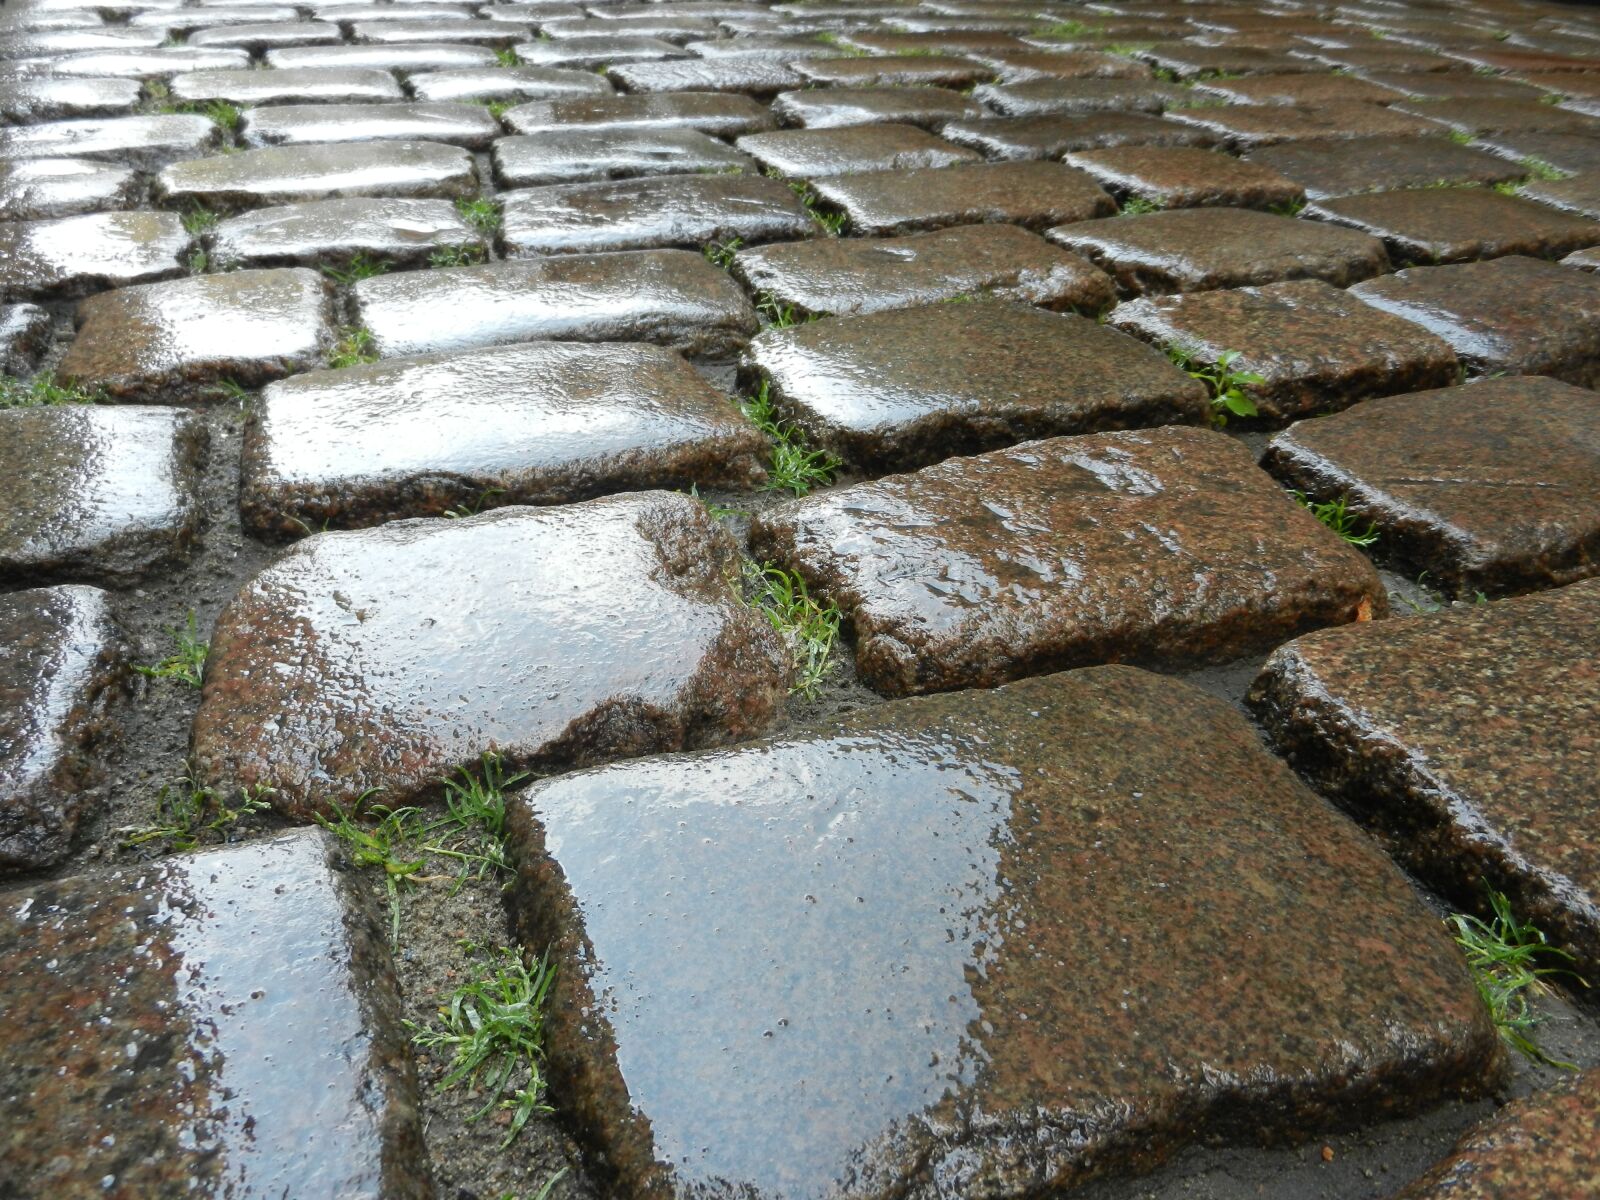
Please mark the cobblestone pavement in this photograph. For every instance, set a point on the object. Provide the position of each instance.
(965, 598)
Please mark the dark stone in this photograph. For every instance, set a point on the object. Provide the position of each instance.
(858, 275)
(585, 155)
(556, 637)
(289, 174)
(1580, 194)
(42, 188)
(1569, 152)
(1444, 225)
(440, 56)
(1034, 195)
(74, 256)
(1166, 545)
(1344, 167)
(809, 153)
(468, 125)
(144, 142)
(1193, 250)
(960, 938)
(543, 423)
(332, 232)
(1438, 486)
(1188, 61)
(1023, 66)
(1552, 328)
(507, 83)
(215, 1024)
(26, 331)
(757, 76)
(834, 108)
(1249, 127)
(1046, 97)
(1501, 116)
(1297, 89)
(709, 112)
(63, 663)
(1468, 738)
(1449, 85)
(287, 85)
(44, 98)
(1053, 136)
(1187, 177)
(901, 389)
(934, 70)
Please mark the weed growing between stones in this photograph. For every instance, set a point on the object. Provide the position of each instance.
(187, 663)
(1537, 168)
(187, 814)
(833, 39)
(833, 222)
(808, 629)
(1336, 516)
(795, 467)
(1509, 187)
(1137, 206)
(718, 511)
(42, 390)
(353, 349)
(778, 314)
(456, 256)
(471, 508)
(1067, 29)
(219, 111)
(1461, 136)
(1225, 384)
(483, 215)
(197, 219)
(1290, 208)
(475, 820)
(508, 58)
(498, 108)
(385, 844)
(358, 268)
(720, 254)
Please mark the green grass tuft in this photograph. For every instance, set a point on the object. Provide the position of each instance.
(187, 814)
(795, 467)
(809, 629)
(358, 268)
(475, 821)
(833, 222)
(1336, 516)
(457, 256)
(353, 349)
(482, 214)
(43, 390)
(187, 663)
(720, 254)
(1137, 206)
(387, 843)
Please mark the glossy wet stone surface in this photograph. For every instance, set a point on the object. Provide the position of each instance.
(1042, 97)
(757, 76)
(1187, 177)
(431, 56)
(1000, 955)
(1102, 548)
(1468, 738)
(468, 125)
(1247, 127)
(287, 174)
(717, 115)
(556, 637)
(167, 342)
(1579, 195)
(1035, 195)
(809, 153)
(1052, 136)
(287, 86)
(1349, 166)
(586, 155)
(25, 333)
(1501, 116)
(1553, 328)
(832, 108)
(544, 423)
(74, 256)
(220, 1024)
(41, 188)
(63, 667)
(146, 141)
(900, 389)
(1444, 225)
(1192, 250)
(840, 275)
(507, 83)
(1564, 151)
(1488, 487)
(332, 232)
(48, 99)
(670, 297)
(933, 70)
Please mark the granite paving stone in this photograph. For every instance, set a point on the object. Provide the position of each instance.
(468, 125)
(161, 63)
(756, 76)
(1298, 89)
(25, 335)
(1045, 97)
(1250, 126)
(1188, 61)
(588, 53)
(406, 59)
(1552, 329)
(288, 85)
(1343, 167)
(1187, 177)
(443, 30)
(669, 297)
(1035, 195)
(1569, 152)
(1439, 488)
(1453, 224)
(290, 174)
(72, 41)
(1156, 545)
(143, 141)
(934, 70)
(810, 153)
(584, 155)
(1020, 67)
(889, 858)
(333, 232)
(1053, 136)
(854, 275)
(873, 42)
(46, 98)
(42, 188)
(833, 108)
(1449, 85)
(1467, 739)
(506, 83)
(256, 38)
(196, 1026)
(780, 49)
(1583, 260)
(542, 423)
(710, 113)
(666, 27)
(1501, 116)
(1579, 194)
(73, 256)
(63, 668)
(555, 636)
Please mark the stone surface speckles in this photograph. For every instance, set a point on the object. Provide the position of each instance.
(1488, 487)
(1246, 127)
(1452, 224)
(1035, 195)
(758, 77)
(77, 255)
(42, 188)
(63, 662)
(1295, 89)
(44, 98)
(131, 141)
(1500, 116)
(1186, 177)
(1343, 167)
(1470, 737)
(507, 83)
(1579, 194)
(332, 232)
(25, 331)
(710, 113)
(217, 1024)
(589, 53)
(468, 125)
(556, 637)
(808, 153)
(932, 70)
(588, 155)
(1003, 904)
(1167, 544)
(405, 59)
(833, 108)
(289, 174)
(287, 86)
(1052, 136)
(1041, 97)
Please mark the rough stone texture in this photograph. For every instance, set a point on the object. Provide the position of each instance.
(1568, 152)
(810, 153)
(25, 334)
(1535, 1148)
(1442, 225)
(1192, 250)
(288, 174)
(891, 859)
(468, 125)
(42, 188)
(710, 113)
(1579, 194)
(674, 210)
(63, 664)
(1187, 177)
(441, 30)
(671, 297)
(1500, 116)
(1552, 328)
(332, 232)
(1448, 85)
(1488, 487)
(1162, 545)
(1468, 737)
(1034, 195)
(432, 56)
(544, 423)
(1053, 136)
(94, 492)
(507, 83)
(1343, 167)
(937, 70)
(215, 1024)
(756, 76)
(166, 342)
(74, 256)
(162, 63)
(145, 142)
(586, 155)
(834, 108)
(856, 275)
(1248, 127)
(1194, 62)
(267, 34)
(1296, 89)
(43, 98)
(1021, 66)
(286, 86)
(1042, 97)
(555, 637)
(900, 389)
(1583, 260)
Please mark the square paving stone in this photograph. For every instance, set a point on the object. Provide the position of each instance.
(26, 331)
(332, 232)
(1316, 347)
(406, 59)
(162, 63)
(1187, 177)
(833, 108)
(711, 113)
(42, 188)
(960, 937)
(561, 636)
(290, 174)
(287, 86)
(1569, 152)
(898, 390)
(468, 125)
(1297, 89)
(256, 38)
(859, 275)
(96, 492)
(63, 666)
(1034, 195)
(145, 142)
(1193, 250)
(171, 342)
(810, 153)
(1344, 167)
(1164, 545)
(441, 29)
(222, 1023)
(1514, 315)
(1064, 64)
(1046, 97)
(686, 211)
(1053, 136)
(74, 256)
(755, 76)
(43, 98)
(1501, 116)
(588, 53)
(932, 70)
(584, 155)
(544, 423)
(507, 83)
(1470, 739)
(1247, 127)
(1444, 225)
(1436, 472)
(670, 297)
(1579, 194)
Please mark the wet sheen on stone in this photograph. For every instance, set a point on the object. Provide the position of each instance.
(834, 108)
(332, 232)
(146, 141)
(1034, 195)
(1353, 165)
(26, 331)
(1052, 136)
(288, 174)
(43, 188)
(286, 86)
(1452, 224)
(1248, 127)
(1041, 97)
(588, 155)
(717, 115)
(506, 83)
(809, 153)
(1186, 177)
(74, 256)
(43, 98)
(468, 125)
(755, 76)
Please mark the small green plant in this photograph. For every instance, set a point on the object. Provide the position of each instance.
(43, 390)
(493, 1028)
(1289, 208)
(1225, 384)
(185, 815)
(720, 254)
(353, 349)
(1068, 29)
(220, 111)
(197, 219)
(1137, 206)
(1462, 136)
(499, 108)
(833, 222)
(507, 57)
(155, 89)
(795, 467)
(808, 629)
(198, 262)
(471, 508)
(1537, 168)
(717, 511)
(232, 389)
(778, 314)
(1335, 514)
(469, 255)
(358, 268)
(475, 807)
(385, 843)
(1505, 956)
(544, 1192)
(187, 663)
(483, 215)
(1509, 187)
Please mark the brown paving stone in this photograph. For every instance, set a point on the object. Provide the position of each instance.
(26, 331)
(833, 108)
(598, 630)
(1053, 136)
(1487, 487)
(291, 174)
(936, 70)
(1187, 177)
(857, 275)
(717, 115)
(74, 256)
(809, 153)
(1500, 116)
(333, 232)
(938, 43)
(1378, 56)
(897, 390)
(586, 155)
(468, 125)
(756, 76)
(1296, 89)
(1044, 97)
(1161, 545)
(1553, 328)
(285, 86)
(1468, 738)
(1188, 61)
(1249, 126)
(145, 141)
(1082, 64)
(758, 48)
(63, 666)
(1034, 195)
(885, 857)
(1583, 260)
(507, 83)
(1444, 225)
(42, 188)
(1569, 152)
(1449, 85)
(1343, 167)
(1516, 58)
(1578, 194)
(223, 1023)
(1193, 250)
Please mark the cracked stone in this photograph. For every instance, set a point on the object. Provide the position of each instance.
(1187, 177)
(588, 155)
(1053, 136)
(1447, 225)
(34, 189)
(292, 174)
(145, 142)
(717, 115)
(306, 85)
(74, 256)
(332, 232)
(468, 125)
(834, 108)
(1035, 195)
(1343, 167)
(809, 153)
